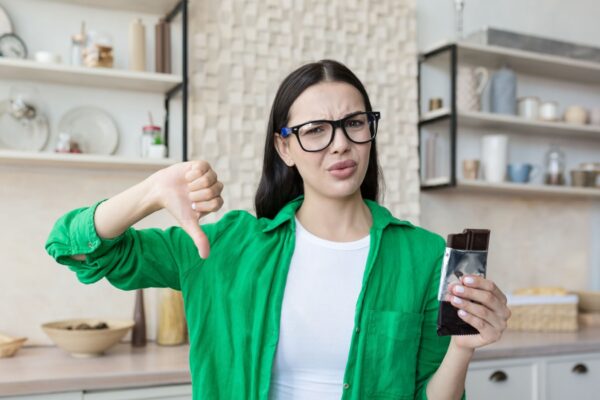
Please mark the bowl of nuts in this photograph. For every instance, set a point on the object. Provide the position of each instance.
(87, 337)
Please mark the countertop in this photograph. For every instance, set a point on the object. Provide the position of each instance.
(47, 369)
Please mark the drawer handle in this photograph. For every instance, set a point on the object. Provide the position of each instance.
(499, 376)
(580, 369)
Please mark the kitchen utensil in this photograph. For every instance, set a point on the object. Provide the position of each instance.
(10, 345)
(528, 107)
(470, 169)
(576, 115)
(92, 128)
(470, 84)
(5, 24)
(47, 57)
(494, 154)
(503, 91)
(522, 172)
(12, 46)
(555, 166)
(583, 178)
(138, 335)
(137, 45)
(549, 111)
(84, 343)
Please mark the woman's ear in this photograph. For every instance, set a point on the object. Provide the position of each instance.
(283, 149)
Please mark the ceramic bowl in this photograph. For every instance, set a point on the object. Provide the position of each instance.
(86, 342)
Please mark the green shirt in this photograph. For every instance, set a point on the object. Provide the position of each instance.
(233, 298)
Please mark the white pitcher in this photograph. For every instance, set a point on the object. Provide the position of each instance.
(471, 81)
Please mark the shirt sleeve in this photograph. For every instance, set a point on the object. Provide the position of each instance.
(432, 347)
(135, 259)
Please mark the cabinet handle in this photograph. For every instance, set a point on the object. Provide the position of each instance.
(498, 376)
(580, 369)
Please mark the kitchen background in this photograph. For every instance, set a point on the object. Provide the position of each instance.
(238, 53)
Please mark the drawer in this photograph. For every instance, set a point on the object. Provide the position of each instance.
(502, 382)
(576, 378)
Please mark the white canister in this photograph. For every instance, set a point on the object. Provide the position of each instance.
(494, 157)
(528, 107)
(549, 111)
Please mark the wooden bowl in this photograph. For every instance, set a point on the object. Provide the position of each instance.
(10, 345)
(83, 343)
(589, 301)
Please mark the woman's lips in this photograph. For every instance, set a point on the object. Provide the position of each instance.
(343, 169)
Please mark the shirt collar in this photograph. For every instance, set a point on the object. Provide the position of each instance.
(382, 217)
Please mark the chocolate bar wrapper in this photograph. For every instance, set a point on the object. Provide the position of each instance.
(465, 254)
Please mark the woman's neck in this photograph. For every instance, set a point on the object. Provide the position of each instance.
(339, 220)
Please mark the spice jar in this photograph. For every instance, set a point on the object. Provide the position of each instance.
(149, 135)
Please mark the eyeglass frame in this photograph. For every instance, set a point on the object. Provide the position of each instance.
(287, 131)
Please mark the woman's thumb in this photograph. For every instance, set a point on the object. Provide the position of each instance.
(193, 229)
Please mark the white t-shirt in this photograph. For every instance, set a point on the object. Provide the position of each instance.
(317, 317)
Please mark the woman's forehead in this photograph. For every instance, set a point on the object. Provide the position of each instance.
(326, 100)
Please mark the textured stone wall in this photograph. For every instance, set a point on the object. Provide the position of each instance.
(241, 51)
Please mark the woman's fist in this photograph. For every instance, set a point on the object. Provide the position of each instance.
(189, 191)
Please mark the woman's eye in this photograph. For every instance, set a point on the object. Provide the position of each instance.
(313, 131)
(354, 123)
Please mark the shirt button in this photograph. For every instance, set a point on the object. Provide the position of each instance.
(90, 245)
(346, 385)
(357, 329)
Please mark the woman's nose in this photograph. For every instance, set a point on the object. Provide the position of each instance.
(340, 142)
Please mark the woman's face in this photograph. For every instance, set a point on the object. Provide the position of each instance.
(329, 101)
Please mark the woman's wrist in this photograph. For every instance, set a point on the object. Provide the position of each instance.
(462, 353)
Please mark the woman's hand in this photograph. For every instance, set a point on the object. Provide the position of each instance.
(489, 317)
(189, 191)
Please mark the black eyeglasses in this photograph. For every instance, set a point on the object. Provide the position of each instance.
(313, 136)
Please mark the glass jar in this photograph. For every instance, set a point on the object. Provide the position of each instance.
(149, 135)
(555, 166)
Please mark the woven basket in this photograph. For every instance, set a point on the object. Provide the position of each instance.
(543, 314)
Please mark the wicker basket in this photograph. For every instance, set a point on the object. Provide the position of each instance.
(543, 313)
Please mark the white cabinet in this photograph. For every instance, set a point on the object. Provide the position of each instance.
(47, 396)
(577, 377)
(508, 380)
(169, 392)
(573, 376)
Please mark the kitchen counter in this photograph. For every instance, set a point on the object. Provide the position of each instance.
(531, 344)
(46, 369)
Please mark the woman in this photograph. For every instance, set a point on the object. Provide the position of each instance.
(323, 295)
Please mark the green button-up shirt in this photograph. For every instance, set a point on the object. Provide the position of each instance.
(233, 298)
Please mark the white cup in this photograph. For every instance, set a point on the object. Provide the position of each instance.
(494, 157)
(47, 57)
(528, 107)
(157, 151)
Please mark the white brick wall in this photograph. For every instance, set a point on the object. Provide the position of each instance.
(241, 51)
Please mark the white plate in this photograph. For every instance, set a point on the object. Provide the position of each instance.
(92, 128)
(29, 137)
(5, 24)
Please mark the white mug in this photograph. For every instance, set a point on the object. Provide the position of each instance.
(470, 84)
(549, 111)
(528, 107)
(494, 157)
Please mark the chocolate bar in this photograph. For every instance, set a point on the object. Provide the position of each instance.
(466, 254)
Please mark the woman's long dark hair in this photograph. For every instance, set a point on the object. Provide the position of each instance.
(279, 183)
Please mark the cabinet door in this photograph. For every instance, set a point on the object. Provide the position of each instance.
(172, 392)
(501, 382)
(575, 378)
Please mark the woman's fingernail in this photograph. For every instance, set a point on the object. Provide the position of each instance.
(469, 280)
(462, 313)
(459, 289)
(194, 206)
(457, 300)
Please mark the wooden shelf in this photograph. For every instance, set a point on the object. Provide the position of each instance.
(82, 76)
(515, 124)
(526, 188)
(145, 6)
(14, 157)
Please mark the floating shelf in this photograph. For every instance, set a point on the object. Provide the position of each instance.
(526, 188)
(82, 76)
(145, 6)
(14, 157)
(515, 124)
